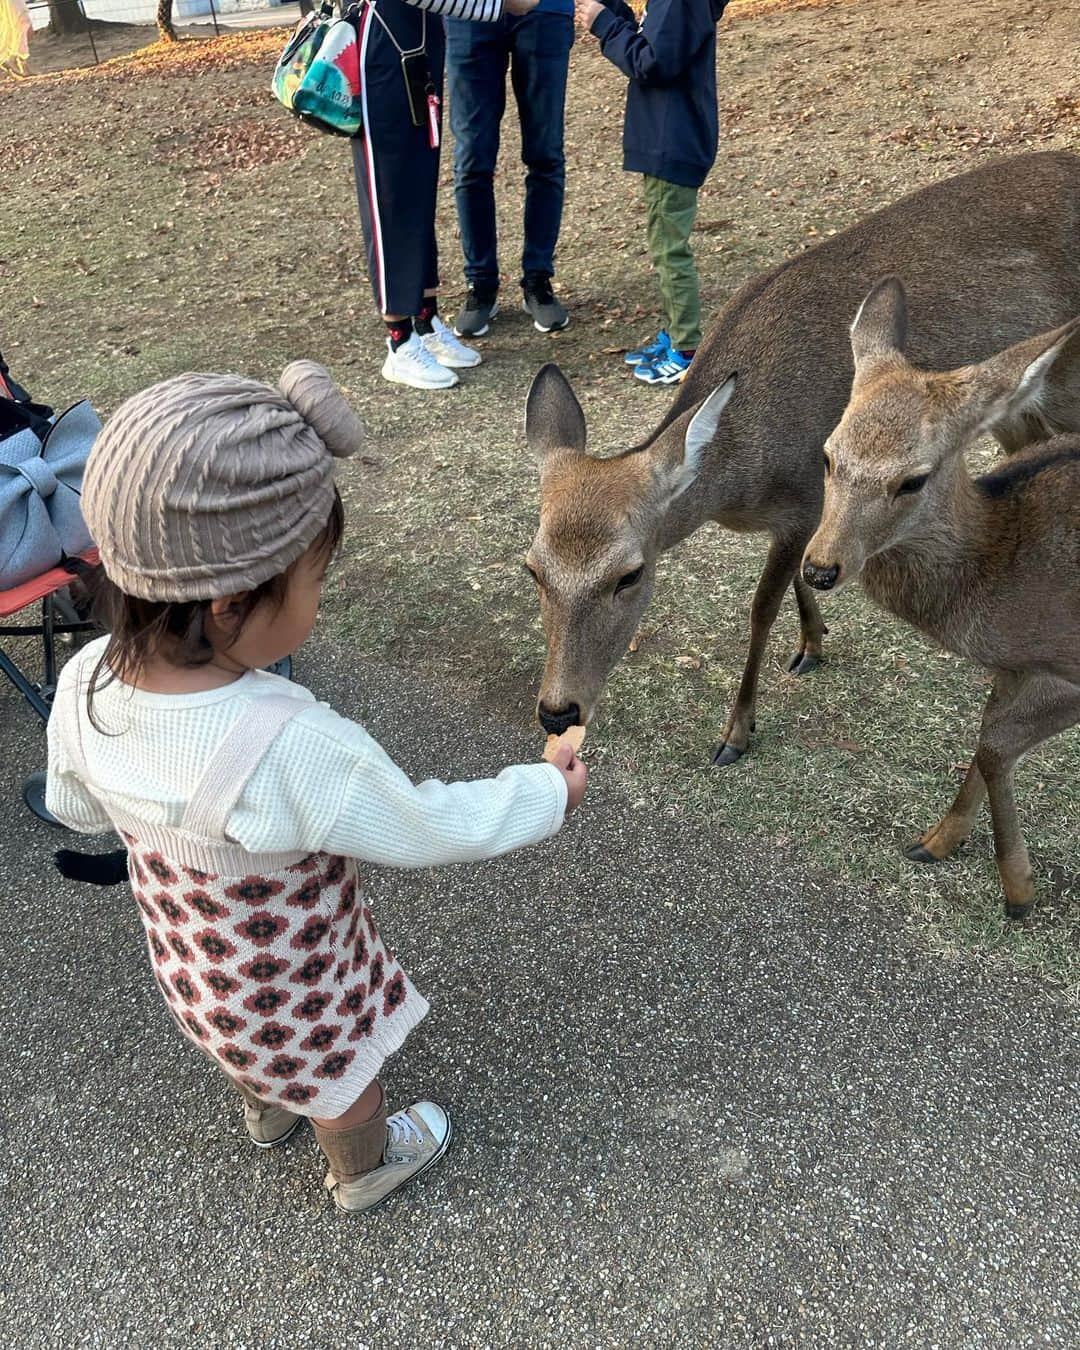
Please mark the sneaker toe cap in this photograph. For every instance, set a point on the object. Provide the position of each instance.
(434, 1117)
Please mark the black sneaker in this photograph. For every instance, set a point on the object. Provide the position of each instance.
(475, 317)
(548, 315)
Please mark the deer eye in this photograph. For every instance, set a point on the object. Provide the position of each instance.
(828, 462)
(630, 579)
(531, 572)
(910, 485)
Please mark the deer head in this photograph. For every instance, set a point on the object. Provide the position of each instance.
(891, 464)
(601, 530)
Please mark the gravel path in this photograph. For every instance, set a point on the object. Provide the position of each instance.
(700, 1098)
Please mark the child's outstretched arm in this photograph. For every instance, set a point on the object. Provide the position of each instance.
(662, 47)
(350, 798)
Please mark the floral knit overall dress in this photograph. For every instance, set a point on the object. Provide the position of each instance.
(270, 963)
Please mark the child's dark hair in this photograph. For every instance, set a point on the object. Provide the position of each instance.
(138, 628)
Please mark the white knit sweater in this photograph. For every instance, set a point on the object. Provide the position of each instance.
(324, 786)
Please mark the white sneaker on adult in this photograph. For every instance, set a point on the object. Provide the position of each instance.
(414, 365)
(447, 349)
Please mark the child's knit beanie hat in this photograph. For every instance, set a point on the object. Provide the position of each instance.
(208, 485)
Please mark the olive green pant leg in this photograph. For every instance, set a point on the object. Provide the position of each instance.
(670, 213)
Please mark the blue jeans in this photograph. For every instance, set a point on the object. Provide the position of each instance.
(536, 50)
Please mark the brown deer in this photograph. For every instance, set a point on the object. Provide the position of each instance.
(994, 255)
(989, 567)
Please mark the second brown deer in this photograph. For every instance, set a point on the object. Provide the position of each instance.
(989, 567)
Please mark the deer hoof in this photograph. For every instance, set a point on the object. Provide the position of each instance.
(725, 754)
(802, 663)
(920, 853)
(1018, 911)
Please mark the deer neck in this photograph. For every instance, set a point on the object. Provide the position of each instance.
(934, 578)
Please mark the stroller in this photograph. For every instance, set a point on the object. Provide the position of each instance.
(60, 589)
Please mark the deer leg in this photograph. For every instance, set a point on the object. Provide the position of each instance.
(955, 825)
(779, 569)
(1022, 711)
(813, 628)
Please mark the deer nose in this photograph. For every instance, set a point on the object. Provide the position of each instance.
(555, 722)
(821, 578)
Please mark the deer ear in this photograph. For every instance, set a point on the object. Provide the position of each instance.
(553, 416)
(1024, 393)
(698, 436)
(880, 327)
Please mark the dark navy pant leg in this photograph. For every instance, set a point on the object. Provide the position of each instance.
(397, 171)
(540, 60)
(477, 58)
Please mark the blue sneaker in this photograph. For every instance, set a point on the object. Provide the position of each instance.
(660, 346)
(667, 369)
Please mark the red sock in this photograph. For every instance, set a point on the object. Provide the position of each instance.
(399, 330)
(428, 310)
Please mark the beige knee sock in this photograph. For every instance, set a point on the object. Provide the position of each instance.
(357, 1150)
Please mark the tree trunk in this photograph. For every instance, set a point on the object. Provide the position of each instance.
(166, 31)
(65, 18)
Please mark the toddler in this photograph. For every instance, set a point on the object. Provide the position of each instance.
(244, 804)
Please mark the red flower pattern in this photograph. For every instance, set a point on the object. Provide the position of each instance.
(321, 1037)
(264, 967)
(365, 1025)
(299, 1094)
(219, 983)
(168, 906)
(255, 890)
(179, 946)
(313, 969)
(262, 928)
(306, 895)
(273, 1035)
(394, 994)
(160, 869)
(206, 905)
(214, 945)
(312, 1006)
(227, 1023)
(335, 1064)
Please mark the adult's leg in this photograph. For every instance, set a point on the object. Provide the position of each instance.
(672, 212)
(476, 62)
(396, 177)
(540, 60)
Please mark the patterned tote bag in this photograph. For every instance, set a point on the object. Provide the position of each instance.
(318, 74)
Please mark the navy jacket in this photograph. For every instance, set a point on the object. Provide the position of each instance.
(671, 128)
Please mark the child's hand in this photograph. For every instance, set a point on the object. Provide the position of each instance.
(519, 7)
(585, 11)
(573, 771)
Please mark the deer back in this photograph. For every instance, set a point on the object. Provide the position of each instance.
(988, 257)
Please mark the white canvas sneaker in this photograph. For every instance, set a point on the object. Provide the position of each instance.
(416, 1139)
(447, 349)
(414, 365)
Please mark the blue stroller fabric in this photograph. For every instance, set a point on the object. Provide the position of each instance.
(40, 483)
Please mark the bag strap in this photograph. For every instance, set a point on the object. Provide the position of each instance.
(373, 5)
(235, 760)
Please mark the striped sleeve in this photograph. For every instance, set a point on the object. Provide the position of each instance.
(480, 11)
